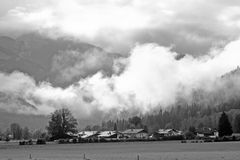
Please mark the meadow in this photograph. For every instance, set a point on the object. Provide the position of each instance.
(160, 150)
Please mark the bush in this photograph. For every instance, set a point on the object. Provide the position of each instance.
(183, 141)
(63, 141)
(41, 141)
(30, 142)
(22, 143)
(74, 140)
(190, 135)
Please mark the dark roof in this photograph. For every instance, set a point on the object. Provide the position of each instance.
(205, 130)
(134, 131)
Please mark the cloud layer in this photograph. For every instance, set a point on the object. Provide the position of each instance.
(153, 33)
(152, 77)
(192, 27)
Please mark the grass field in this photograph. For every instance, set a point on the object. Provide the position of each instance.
(123, 151)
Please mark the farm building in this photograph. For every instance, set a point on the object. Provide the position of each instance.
(169, 132)
(89, 136)
(166, 133)
(109, 135)
(72, 135)
(135, 133)
(236, 136)
(207, 132)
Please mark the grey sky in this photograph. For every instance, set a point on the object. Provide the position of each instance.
(151, 32)
(189, 26)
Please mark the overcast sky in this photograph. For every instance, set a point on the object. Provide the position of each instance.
(151, 32)
(189, 26)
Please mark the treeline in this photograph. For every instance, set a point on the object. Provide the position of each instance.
(180, 117)
(16, 132)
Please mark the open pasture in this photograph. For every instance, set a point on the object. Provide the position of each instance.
(173, 150)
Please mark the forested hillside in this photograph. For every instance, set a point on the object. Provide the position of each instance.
(203, 110)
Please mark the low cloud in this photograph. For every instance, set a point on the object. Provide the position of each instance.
(152, 77)
(72, 64)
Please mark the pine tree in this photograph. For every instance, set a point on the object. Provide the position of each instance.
(115, 127)
(237, 123)
(224, 126)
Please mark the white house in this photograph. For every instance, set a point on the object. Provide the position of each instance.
(109, 135)
(88, 135)
(169, 132)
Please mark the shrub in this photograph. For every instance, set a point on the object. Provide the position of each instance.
(41, 141)
(190, 135)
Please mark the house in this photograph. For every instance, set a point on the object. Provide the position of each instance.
(236, 136)
(72, 135)
(135, 133)
(169, 132)
(162, 133)
(206, 132)
(88, 136)
(109, 135)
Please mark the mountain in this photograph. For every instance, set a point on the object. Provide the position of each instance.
(41, 49)
(11, 59)
(61, 61)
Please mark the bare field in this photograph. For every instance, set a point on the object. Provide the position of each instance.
(123, 151)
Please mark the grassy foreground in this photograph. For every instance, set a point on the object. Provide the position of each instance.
(173, 150)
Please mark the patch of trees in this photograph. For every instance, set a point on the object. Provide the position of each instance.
(16, 132)
(61, 123)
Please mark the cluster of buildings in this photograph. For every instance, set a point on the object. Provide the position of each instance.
(141, 134)
(92, 136)
(129, 134)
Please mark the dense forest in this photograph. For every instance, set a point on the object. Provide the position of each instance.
(179, 117)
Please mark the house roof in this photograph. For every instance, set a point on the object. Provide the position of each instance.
(205, 130)
(169, 131)
(236, 134)
(72, 134)
(107, 133)
(133, 131)
(166, 131)
(86, 134)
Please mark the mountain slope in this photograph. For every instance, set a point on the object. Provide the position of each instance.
(59, 61)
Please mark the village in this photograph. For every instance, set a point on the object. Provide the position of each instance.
(138, 135)
(134, 135)
(63, 129)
